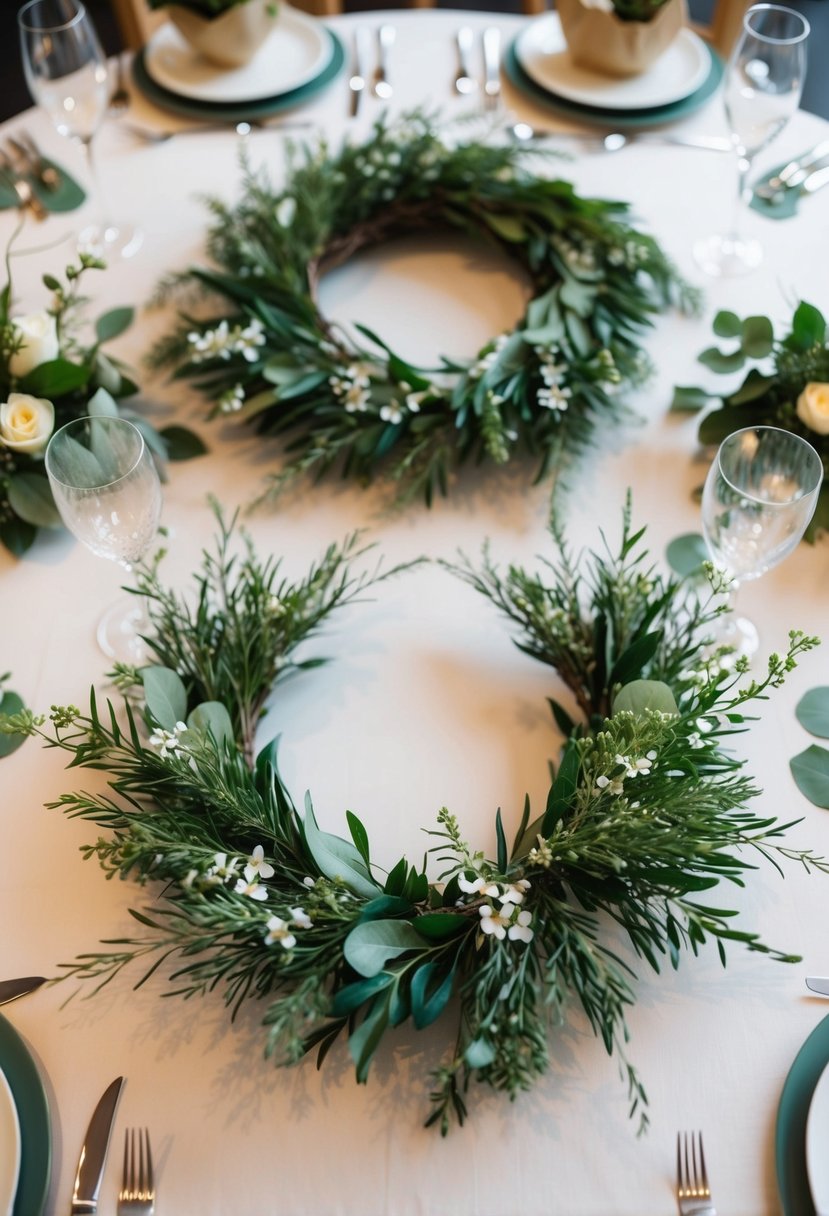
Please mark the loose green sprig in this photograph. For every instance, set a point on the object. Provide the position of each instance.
(645, 815)
(268, 356)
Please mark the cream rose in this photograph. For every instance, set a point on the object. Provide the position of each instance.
(26, 423)
(39, 332)
(813, 407)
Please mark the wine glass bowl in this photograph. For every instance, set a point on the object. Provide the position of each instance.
(759, 496)
(761, 91)
(107, 491)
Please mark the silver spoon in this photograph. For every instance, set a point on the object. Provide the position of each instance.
(240, 128)
(465, 82)
(614, 141)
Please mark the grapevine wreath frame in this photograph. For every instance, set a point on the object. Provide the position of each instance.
(646, 811)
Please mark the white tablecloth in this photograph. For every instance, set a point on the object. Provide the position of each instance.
(425, 703)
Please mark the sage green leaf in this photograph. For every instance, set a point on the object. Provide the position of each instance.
(211, 717)
(727, 324)
(758, 337)
(165, 695)
(181, 443)
(79, 466)
(718, 361)
(642, 695)
(372, 944)
(812, 711)
(31, 500)
(808, 327)
(106, 374)
(685, 554)
(337, 858)
(10, 703)
(113, 323)
(366, 1038)
(687, 399)
(479, 1053)
(102, 405)
(810, 770)
(430, 994)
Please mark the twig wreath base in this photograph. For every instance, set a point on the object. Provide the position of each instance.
(645, 814)
(270, 357)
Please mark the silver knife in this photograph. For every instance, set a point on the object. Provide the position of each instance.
(815, 181)
(357, 81)
(492, 68)
(818, 984)
(94, 1152)
(385, 41)
(10, 990)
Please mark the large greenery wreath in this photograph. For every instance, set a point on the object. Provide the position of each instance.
(646, 812)
(269, 356)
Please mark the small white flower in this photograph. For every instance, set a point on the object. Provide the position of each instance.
(633, 768)
(278, 930)
(212, 344)
(232, 400)
(309, 882)
(223, 867)
(285, 212)
(555, 397)
(257, 866)
(300, 918)
(168, 742)
(695, 740)
(478, 886)
(615, 786)
(356, 399)
(246, 342)
(253, 889)
(392, 413)
(514, 892)
(495, 923)
(519, 930)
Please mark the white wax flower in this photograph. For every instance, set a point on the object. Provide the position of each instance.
(39, 332)
(26, 423)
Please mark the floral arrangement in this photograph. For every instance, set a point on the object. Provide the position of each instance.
(645, 813)
(787, 386)
(48, 376)
(269, 356)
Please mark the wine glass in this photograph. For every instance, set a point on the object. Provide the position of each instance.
(763, 84)
(108, 493)
(67, 74)
(759, 495)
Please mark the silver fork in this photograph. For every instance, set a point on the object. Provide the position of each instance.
(137, 1194)
(693, 1195)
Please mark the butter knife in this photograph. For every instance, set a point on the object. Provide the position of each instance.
(795, 169)
(818, 984)
(10, 990)
(357, 81)
(492, 68)
(94, 1152)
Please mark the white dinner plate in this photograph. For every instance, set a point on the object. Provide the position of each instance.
(9, 1147)
(296, 51)
(817, 1144)
(677, 73)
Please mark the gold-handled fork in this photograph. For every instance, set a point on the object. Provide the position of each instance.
(693, 1194)
(137, 1194)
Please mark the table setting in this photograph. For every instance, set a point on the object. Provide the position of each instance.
(408, 389)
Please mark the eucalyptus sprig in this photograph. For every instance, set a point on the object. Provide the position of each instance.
(646, 812)
(265, 354)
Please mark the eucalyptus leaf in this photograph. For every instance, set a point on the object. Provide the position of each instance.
(479, 1053)
(102, 405)
(113, 323)
(727, 324)
(181, 443)
(30, 497)
(165, 695)
(642, 695)
(211, 717)
(10, 703)
(808, 326)
(719, 361)
(810, 770)
(373, 943)
(685, 554)
(430, 994)
(363, 1042)
(687, 399)
(757, 337)
(337, 858)
(812, 711)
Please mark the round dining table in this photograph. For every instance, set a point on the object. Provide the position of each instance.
(425, 702)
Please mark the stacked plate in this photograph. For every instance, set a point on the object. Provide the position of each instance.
(802, 1133)
(301, 56)
(679, 82)
(25, 1133)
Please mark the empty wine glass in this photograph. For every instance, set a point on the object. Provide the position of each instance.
(67, 74)
(759, 495)
(763, 84)
(108, 493)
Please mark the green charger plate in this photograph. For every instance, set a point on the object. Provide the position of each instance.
(243, 111)
(35, 1127)
(617, 119)
(792, 1113)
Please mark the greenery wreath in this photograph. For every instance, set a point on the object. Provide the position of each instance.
(271, 357)
(645, 812)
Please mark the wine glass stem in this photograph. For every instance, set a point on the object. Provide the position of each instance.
(99, 201)
(743, 194)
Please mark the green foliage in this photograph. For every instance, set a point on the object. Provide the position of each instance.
(11, 704)
(812, 711)
(645, 813)
(768, 395)
(270, 358)
(810, 768)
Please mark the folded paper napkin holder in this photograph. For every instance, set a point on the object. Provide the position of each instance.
(601, 41)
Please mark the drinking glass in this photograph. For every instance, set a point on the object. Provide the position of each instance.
(762, 88)
(108, 493)
(67, 74)
(759, 495)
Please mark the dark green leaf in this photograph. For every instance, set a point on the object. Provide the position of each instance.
(810, 770)
(54, 379)
(562, 719)
(17, 535)
(181, 443)
(813, 711)
(113, 323)
(808, 327)
(438, 926)
(352, 996)
(383, 907)
(727, 325)
(560, 796)
(10, 703)
(396, 880)
(758, 337)
(365, 1039)
(631, 662)
(360, 837)
(430, 994)
(501, 843)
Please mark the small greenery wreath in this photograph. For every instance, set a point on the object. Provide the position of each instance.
(272, 358)
(646, 811)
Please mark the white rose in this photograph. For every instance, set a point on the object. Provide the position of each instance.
(813, 407)
(39, 332)
(26, 423)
